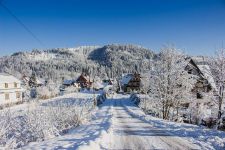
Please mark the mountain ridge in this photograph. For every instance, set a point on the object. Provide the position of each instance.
(104, 61)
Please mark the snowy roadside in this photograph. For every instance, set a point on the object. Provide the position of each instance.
(98, 133)
(89, 134)
(42, 120)
(106, 134)
(207, 138)
(65, 98)
(127, 132)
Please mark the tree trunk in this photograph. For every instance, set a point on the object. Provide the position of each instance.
(220, 108)
(168, 113)
(220, 101)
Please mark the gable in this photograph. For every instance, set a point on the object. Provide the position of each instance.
(81, 78)
(126, 79)
(5, 78)
(192, 68)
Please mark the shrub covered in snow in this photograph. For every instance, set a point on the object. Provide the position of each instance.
(39, 123)
(71, 89)
(146, 103)
(48, 91)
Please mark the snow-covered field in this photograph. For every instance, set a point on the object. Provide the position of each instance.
(73, 98)
(42, 120)
(119, 124)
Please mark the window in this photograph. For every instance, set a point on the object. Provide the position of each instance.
(6, 96)
(6, 85)
(199, 96)
(15, 85)
(190, 71)
(18, 95)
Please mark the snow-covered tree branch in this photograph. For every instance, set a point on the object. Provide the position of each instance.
(170, 83)
(218, 67)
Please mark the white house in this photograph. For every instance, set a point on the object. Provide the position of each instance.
(10, 89)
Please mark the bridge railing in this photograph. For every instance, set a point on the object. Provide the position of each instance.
(101, 98)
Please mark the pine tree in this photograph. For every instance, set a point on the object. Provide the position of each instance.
(33, 80)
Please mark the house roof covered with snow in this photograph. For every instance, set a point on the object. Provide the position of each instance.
(85, 77)
(205, 69)
(126, 78)
(5, 78)
(39, 81)
(98, 85)
(68, 82)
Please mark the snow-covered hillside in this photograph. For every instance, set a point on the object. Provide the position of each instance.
(70, 62)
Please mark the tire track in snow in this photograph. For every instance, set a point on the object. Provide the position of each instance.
(132, 133)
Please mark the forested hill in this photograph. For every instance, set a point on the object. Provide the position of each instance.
(107, 61)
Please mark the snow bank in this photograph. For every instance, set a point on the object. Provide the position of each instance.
(105, 135)
(86, 136)
(212, 139)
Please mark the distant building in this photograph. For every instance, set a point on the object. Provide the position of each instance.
(131, 82)
(203, 90)
(69, 83)
(84, 81)
(108, 81)
(98, 85)
(205, 82)
(10, 89)
(41, 82)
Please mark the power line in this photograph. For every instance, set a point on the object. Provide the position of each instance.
(21, 23)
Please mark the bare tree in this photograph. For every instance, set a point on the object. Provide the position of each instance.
(170, 83)
(218, 67)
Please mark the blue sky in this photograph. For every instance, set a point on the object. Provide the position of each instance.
(196, 26)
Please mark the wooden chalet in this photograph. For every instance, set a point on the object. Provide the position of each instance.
(131, 82)
(84, 81)
(203, 89)
(204, 82)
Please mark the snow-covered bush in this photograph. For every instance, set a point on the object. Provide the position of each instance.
(39, 123)
(146, 103)
(48, 91)
(5, 122)
(71, 89)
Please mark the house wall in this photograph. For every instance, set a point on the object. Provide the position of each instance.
(84, 83)
(11, 90)
(10, 86)
(134, 83)
(12, 98)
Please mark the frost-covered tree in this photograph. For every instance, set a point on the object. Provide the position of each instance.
(218, 67)
(145, 87)
(170, 83)
(33, 80)
(48, 91)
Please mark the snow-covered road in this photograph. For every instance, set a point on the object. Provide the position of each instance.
(129, 132)
(114, 126)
